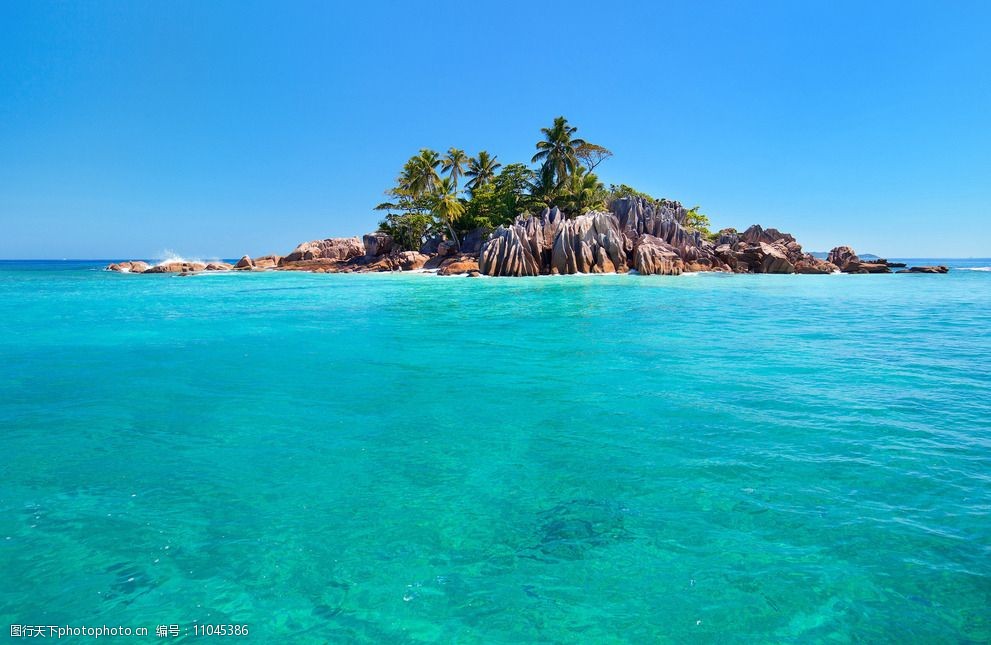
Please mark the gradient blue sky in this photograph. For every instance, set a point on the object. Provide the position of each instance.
(221, 128)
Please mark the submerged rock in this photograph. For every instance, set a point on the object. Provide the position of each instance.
(928, 269)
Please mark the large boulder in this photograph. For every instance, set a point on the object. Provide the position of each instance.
(809, 264)
(377, 243)
(654, 256)
(244, 263)
(842, 256)
(177, 267)
(133, 266)
(219, 266)
(337, 248)
(411, 260)
(459, 265)
(866, 267)
(929, 269)
(267, 261)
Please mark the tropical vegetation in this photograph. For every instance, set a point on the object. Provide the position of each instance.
(452, 194)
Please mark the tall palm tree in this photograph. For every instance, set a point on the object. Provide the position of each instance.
(420, 175)
(454, 163)
(559, 149)
(447, 207)
(482, 170)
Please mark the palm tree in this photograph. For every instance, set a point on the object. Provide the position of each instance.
(584, 193)
(447, 207)
(419, 175)
(482, 170)
(544, 189)
(454, 163)
(559, 149)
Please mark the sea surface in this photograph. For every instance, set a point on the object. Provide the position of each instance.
(406, 458)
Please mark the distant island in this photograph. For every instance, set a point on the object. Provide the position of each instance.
(556, 218)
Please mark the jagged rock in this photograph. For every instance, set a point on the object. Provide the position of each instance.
(654, 256)
(133, 266)
(339, 248)
(177, 267)
(377, 243)
(411, 260)
(929, 269)
(267, 261)
(590, 243)
(842, 256)
(244, 263)
(219, 266)
(458, 265)
(510, 252)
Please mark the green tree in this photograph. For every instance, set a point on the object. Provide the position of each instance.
(558, 151)
(453, 164)
(697, 221)
(544, 188)
(482, 170)
(622, 190)
(447, 208)
(420, 174)
(583, 192)
(408, 230)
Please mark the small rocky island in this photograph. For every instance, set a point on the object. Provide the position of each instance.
(554, 219)
(633, 234)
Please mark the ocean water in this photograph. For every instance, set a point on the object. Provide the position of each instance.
(411, 459)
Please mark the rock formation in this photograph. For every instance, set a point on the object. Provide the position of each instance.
(377, 244)
(848, 262)
(135, 266)
(340, 248)
(651, 238)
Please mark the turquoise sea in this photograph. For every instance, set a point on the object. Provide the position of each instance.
(581, 459)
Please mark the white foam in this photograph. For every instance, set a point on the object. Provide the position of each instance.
(974, 269)
(168, 256)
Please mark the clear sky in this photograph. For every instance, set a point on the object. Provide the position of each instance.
(220, 128)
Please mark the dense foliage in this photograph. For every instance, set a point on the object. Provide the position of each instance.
(428, 198)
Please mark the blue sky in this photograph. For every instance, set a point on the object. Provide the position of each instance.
(216, 129)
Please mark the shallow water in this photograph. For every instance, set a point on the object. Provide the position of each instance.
(407, 458)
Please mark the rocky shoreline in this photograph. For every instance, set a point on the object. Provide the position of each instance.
(635, 234)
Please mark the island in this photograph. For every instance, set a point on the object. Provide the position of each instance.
(554, 219)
